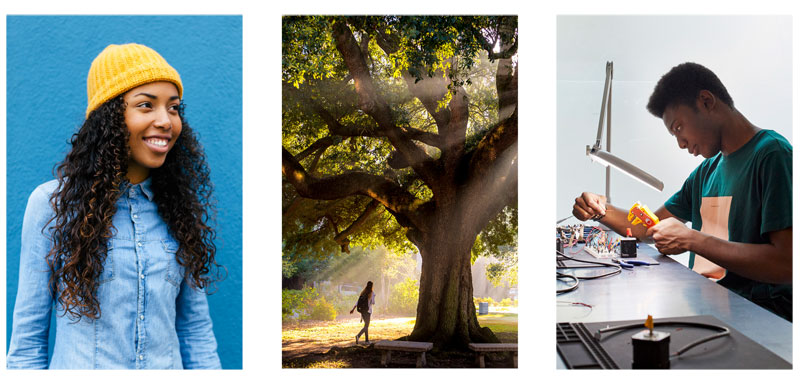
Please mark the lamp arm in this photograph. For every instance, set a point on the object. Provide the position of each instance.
(603, 105)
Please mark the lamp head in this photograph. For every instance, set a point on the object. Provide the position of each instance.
(607, 159)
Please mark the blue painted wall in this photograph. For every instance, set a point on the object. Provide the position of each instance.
(48, 60)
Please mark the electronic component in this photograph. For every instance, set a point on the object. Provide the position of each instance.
(650, 348)
(696, 336)
(627, 247)
(599, 251)
(600, 245)
(640, 213)
(571, 235)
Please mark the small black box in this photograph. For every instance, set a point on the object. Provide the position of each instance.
(627, 247)
(650, 351)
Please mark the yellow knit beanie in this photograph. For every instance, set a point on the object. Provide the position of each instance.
(120, 68)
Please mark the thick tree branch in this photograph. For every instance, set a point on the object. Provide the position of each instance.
(342, 238)
(506, 30)
(365, 48)
(506, 84)
(500, 138)
(336, 128)
(503, 190)
(344, 246)
(403, 205)
(331, 222)
(484, 196)
(507, 74)
(313, 166)
(456, 132)
(430, 91)
(372, 103)
(319, 144)
(389, 43)
(492, 173)
(289, 210)
(502, 54)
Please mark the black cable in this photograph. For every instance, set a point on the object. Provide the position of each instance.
(724, 331)
(594, 264)
(560, 275)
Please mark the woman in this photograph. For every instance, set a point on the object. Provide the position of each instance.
(119, 242)
(365, 301)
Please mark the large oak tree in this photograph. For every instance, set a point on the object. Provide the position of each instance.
(402, 131)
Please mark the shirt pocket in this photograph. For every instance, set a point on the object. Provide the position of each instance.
(109, 267)
(175, 271)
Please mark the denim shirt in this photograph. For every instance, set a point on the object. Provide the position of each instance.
(150, 318)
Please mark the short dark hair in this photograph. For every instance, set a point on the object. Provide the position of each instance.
(682, 84)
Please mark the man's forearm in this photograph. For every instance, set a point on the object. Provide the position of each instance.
(760, 262)
(617, 220)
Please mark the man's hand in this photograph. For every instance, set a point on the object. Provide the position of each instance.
(589, 206)
(351, 311)
(672, 237)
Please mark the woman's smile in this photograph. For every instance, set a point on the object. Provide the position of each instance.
(159, 144)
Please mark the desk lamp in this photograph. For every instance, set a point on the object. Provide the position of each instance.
(605, 158)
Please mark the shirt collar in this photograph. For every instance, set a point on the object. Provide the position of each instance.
(144, 187)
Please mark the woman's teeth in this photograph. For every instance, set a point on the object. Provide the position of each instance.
(157, 141)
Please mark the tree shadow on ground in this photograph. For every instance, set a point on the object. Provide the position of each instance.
(368, 357)
(332, 345)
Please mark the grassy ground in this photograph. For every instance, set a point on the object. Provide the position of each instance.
(332, 344)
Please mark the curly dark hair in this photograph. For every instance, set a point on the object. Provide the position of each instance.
(681, 86)
(84, 203)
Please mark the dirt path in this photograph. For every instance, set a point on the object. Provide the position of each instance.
(312, 337)
(318, 344)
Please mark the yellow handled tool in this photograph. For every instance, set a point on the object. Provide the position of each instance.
(640, 213)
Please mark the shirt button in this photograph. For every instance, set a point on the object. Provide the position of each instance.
(136, 215)
(139, 244)
(141, 357)
(141, 317)
(141, 276)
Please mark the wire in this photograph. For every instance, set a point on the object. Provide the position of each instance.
(561, 276)
(724, 331)
(594, 264)
(576, 278)
(575, 303)
(561, 220)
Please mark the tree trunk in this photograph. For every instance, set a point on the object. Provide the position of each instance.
(445, 311)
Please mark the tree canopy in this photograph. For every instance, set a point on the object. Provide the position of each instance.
(324, 128)
(401, 131)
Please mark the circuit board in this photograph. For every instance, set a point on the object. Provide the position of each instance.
(600, 251)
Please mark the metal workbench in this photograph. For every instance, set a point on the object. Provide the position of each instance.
(668, 290)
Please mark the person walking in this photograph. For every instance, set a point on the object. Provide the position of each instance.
(364, 305)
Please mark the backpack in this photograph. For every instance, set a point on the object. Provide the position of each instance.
(363, 303)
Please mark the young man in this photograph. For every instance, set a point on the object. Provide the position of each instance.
(739, 199)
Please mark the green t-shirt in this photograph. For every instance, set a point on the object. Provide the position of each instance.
(755, 184)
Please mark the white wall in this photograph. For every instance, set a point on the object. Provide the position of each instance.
(752, 55)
